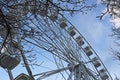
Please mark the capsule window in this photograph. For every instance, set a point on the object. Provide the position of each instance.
(43, 11)
(103, 74)
(96, 62)
(9, 57)
(71, 31)
(9, 62)
(102, 70)
(88, 51)
(62, 23)
(79, 41)
(54, 16)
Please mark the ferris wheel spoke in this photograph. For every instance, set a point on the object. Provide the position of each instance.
(88, 50)
(68, 44)
(70, 76)
(49, 73)
(49, 30)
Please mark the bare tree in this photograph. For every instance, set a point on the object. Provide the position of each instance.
(113, 9)
(22, 21)
(116, 34)
(13, 13)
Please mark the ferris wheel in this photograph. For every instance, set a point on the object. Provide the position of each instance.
(72, 53)
(63, 40)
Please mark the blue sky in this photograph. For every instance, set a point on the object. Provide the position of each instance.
(97, 34)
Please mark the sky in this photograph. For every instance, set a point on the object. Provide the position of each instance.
(97, 32)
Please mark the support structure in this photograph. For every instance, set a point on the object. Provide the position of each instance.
(83, 73)
(10, 74)
(27, 66)
(77, 72)
(51, 31)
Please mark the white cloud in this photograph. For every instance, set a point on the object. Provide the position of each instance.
(115, 15)
(91, 27)
(116, 21)
(97, 33)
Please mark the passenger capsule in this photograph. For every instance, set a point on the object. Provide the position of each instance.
(96, 62)
(9, 62)
(71, 31)
(103, 74)
(54, 16)
(9, 58)
(43, 11)
(88, 51)
(22, 76)
(79, 41)
(62, 23)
